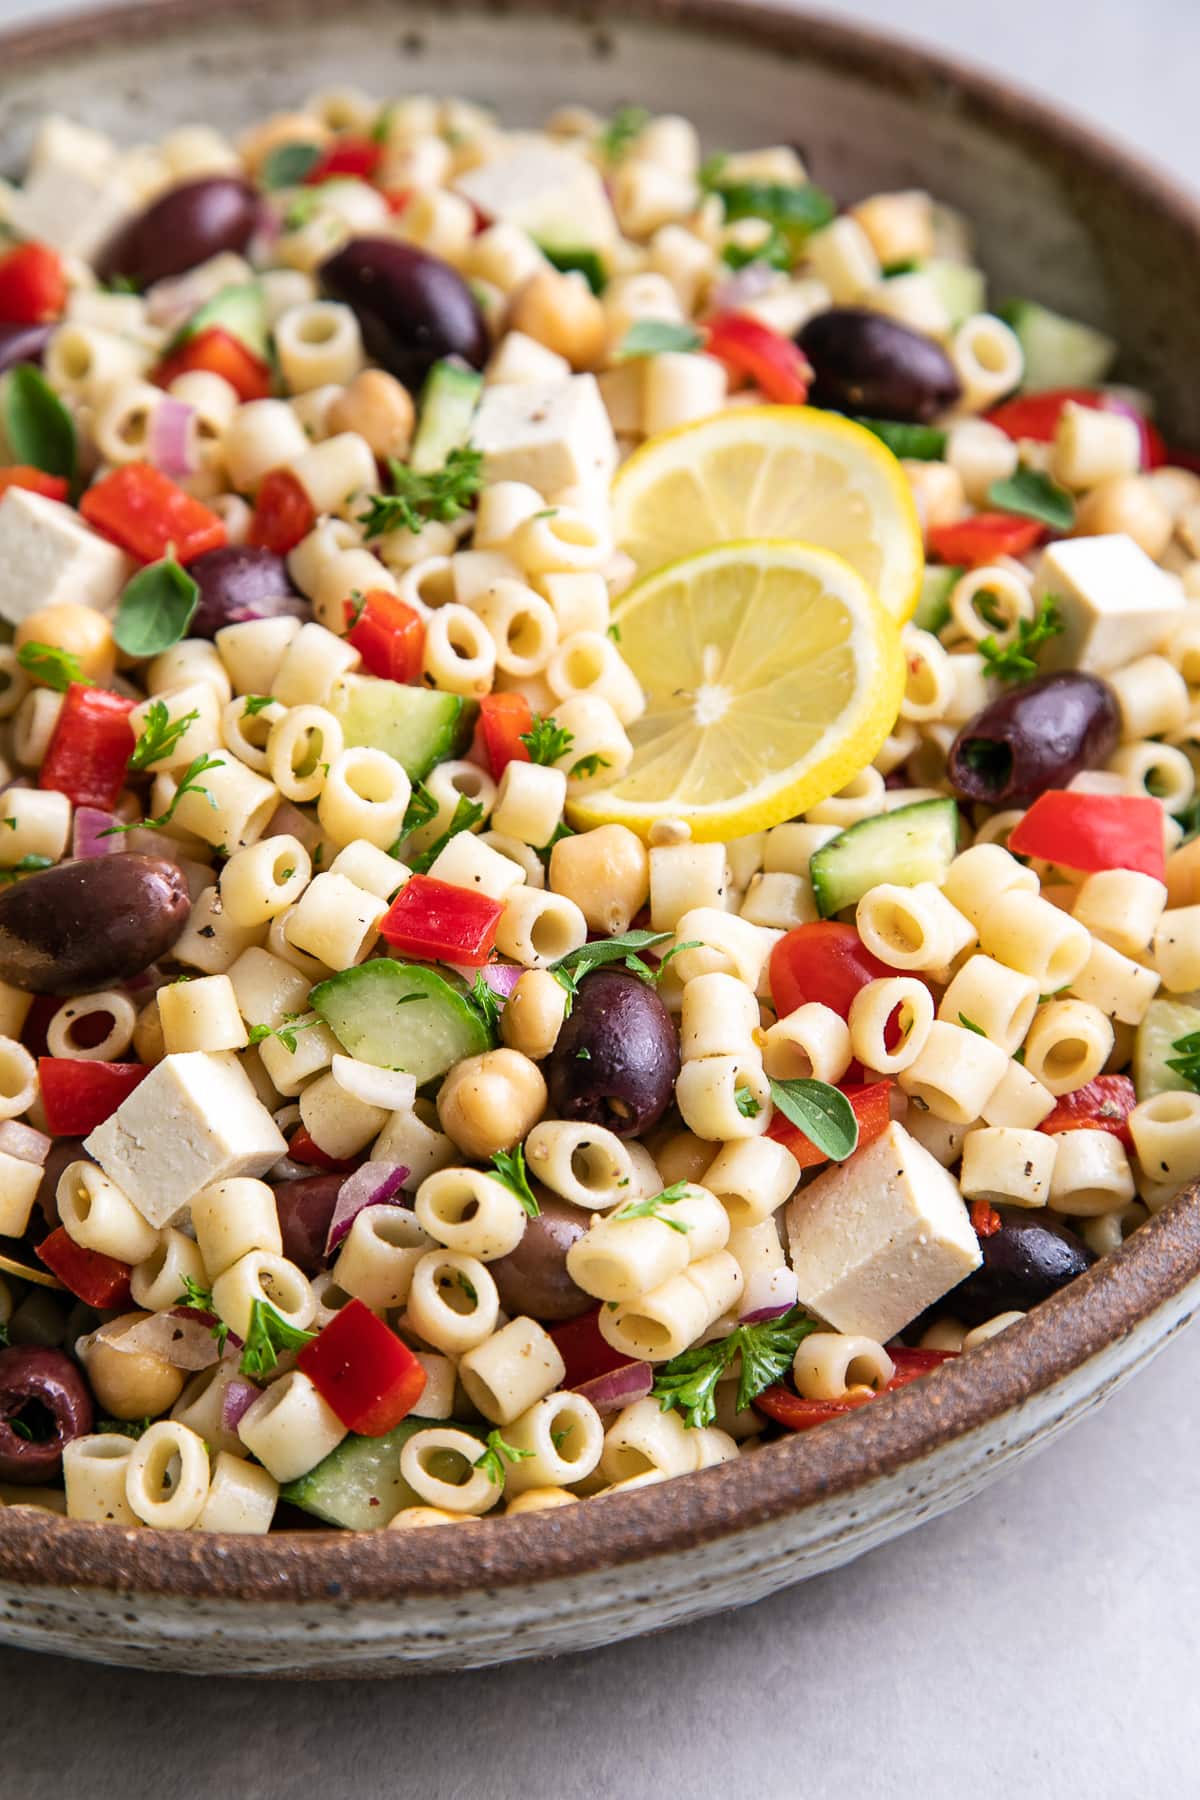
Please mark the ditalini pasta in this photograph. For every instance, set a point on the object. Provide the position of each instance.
(536, 955)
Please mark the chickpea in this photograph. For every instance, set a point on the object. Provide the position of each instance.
(533, 1017)
(606, 873)
(79, 630)
(376, 407)
(562, 312)
(540, 1500)
(417, 1518)
(1126, 503)
(491, 1102)
(129, 1384)
(684, 1157)
(148, 1035)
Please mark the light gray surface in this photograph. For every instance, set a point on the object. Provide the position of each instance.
(1042, 1641)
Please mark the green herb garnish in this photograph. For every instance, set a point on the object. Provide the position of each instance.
(653, 337)
(916, 443)
(467, 814)
(53, 667)
(286, 1033)
(546, 740)
(618, 135)
(496, 1455)
(650, 1207)
(570, 969)
(159, 736)
(189, 783)
(156, 609)
(689, 1381)
(1033, 495)
(269, 1333)
(1015, 661)
(416, 498)
(37, 426)
(288, 164)
(510, 1169)
(821, 1112)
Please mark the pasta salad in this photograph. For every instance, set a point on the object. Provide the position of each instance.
(599, 841)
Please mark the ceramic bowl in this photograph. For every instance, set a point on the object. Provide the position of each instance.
(1060, 215)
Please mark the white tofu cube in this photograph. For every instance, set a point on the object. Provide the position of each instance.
(75, 196)
(48, 556)
(1115, 604)
(877, 1239)
(195, 1119)
(548, 190)
(550, 434)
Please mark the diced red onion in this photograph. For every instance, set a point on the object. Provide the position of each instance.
(172, 444)
(239, 1396)
(374, 1184)
(88, 830)
(23, 1142)
(183, 1338)
(501, 977)
(619, 1387)
(768, 1295)
(747, 284)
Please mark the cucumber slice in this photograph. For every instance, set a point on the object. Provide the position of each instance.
(415, 725)
(933, 607)
(359, 1485)
(239, 310)
(448, 403)
(1059, 352)
(914, 843)
(401, 1016)
(1165, 1022)
(578, 259)
(960, 288)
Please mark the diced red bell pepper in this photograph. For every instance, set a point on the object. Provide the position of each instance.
(218, 352)
(871, 1108)
(983, 538)
(388, 634)
(768, 359)
(1100, 1105)
(143, 511)
(1093, 831)
(363, 1371)
(33, 288)
(985, 1220)
(583, 1350)
(503, 719)
(23, 475)
(98, 1280)
(356, 157)
(434, 921)
(78, 1094)
(794, 1414)
(397, 198)
(303, 1148)
(283, 513)
(90, 748)
(1036, 416)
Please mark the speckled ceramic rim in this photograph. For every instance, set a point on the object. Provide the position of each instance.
(1128, 1286)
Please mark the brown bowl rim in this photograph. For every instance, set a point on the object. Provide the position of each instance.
(40, 1549)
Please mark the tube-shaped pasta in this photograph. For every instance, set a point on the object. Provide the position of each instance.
(563, 1437)
(659, 1325)
(827, 1364)
(752, 1178)
(1028, 934)
(511, 1370)
(452, 1301)
(1091, 1174)
(955, 1073)
(997, 999)
(912, 927)
(466, 1210)
(586, 1164)
(1068, 1044)
(871, 1014)
(1008, 1166)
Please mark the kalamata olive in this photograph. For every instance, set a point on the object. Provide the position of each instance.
(617, 1055)
(181, 228)
(87, 925)
(238, 582)
(864, 362)
(305, 1208)
(532, 1279)
(42, 1394)
(62, 1153)
(413, 308)
(1025, 1261)
(1034, 737)
(22, 343)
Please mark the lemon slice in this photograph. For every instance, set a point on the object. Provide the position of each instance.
(772, 675)
(773, 472)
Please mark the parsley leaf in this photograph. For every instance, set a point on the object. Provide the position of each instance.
(486, 1002)
(648, 1208)
(496, 1455)
(618, 135)
(253, 704)
(156, 609)
(689, 1381)
(269, 1333)
(916, 443)
(970, 1025)
(1031, 494)
(1015, 662)
(189, 783)
(652, 337)
(587, 766)
(793, 212)
(130, 1428)
(53, 667)
(286, 1033)
(28, 865)
(822, 1113)
(160, 735)
(1187, 1062)
(510, 1169)
(570, 969)
(467, 813)
(200, 1299)
(546, 740)
(746, 1104)
(417, 497)
(421, 809)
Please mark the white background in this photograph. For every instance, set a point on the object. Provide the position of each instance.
(1040, 1642)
